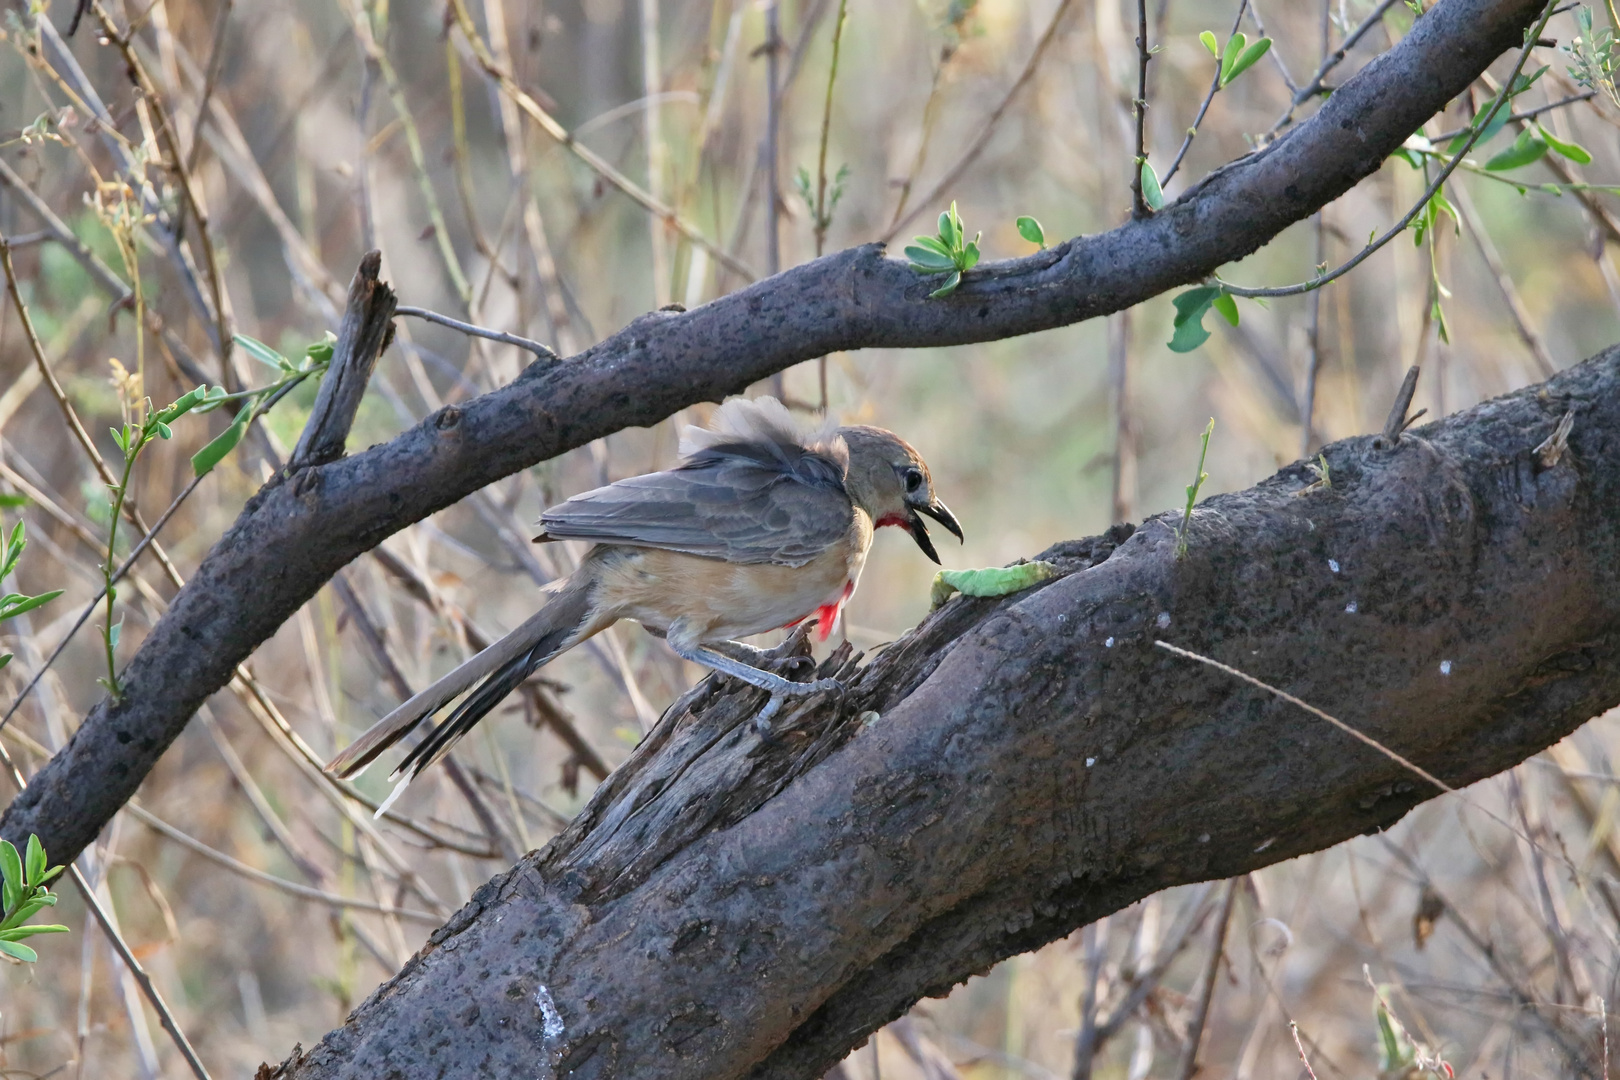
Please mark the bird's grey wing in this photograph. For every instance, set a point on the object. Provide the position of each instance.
(743, 504)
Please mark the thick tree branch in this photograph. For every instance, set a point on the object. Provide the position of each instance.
(1015, 768)
(293, 536)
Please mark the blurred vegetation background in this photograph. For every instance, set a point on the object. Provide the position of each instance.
(315, 130)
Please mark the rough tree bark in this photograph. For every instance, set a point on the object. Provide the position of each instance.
(1015, 768)
(293, 536)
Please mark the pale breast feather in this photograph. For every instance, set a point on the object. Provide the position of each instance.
(741, 502)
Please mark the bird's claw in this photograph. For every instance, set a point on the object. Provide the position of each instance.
(789, 666)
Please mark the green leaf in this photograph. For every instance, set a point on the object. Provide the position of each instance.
(263, 353)
(948, 233)
(113, 633)
(933, 244)
(970, 254)
(1407, 156)
(212, 454)
(20, 952)
(29, 603)
(1194, 302)
(1246, 60)
(925, 261)
(1208, 38)
(38, 928)
(1152, 193)
(1227, 306)
(1031, 230)
(5, 658)
(949, 287)
(34, 859)
(11, 868)
(1527, 148)
(1191, 306)
(1230, 54)
(1574, 151)
(10, 502)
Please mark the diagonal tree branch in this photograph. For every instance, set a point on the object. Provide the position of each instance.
(728, 907)
(249, 583)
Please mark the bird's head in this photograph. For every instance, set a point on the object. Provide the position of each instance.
(889, 480)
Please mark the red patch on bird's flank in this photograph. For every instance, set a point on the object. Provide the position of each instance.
(826, 615)
(894, 519)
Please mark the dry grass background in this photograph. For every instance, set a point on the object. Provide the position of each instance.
(331, 123)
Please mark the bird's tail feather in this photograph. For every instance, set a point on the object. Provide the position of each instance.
(561, 624)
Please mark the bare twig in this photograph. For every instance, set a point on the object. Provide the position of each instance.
(292, 888)
(1139, 206)
(977, 145)
(1520, 117)
(1315, 87)
(1312, 709)
(1313, 339)
(1399, 420)
(1293, 1029)
(1504, 282)
(594, 161)
(1206, 983)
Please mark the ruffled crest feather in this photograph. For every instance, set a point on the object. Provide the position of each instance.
(762, 419)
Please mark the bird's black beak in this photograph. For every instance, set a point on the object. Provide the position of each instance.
(919, 532)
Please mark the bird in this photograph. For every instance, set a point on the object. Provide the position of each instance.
(761, 526)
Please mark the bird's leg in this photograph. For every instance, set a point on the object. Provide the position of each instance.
(748, 673)
(764, 659)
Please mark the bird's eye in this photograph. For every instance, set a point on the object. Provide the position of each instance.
(913, 479)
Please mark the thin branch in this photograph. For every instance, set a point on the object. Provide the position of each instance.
(977, 145)
(1398, 419)
(292, 888)
(1519, 117)
(1139, 206)
(541, 352)
(1445, 174)
(1313, 338)
(1504, 282)
(1206, 983)
(1312, 709)
(592, 160)
(1209, 96)
(1315, 87)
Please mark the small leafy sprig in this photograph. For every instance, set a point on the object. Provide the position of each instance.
(1592, 56)
(946, 253)
(14, 604)
(1236, 56)
(805, 186)
(1192, 491)
(1231, 60)
(23, 894)
(142, 426)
